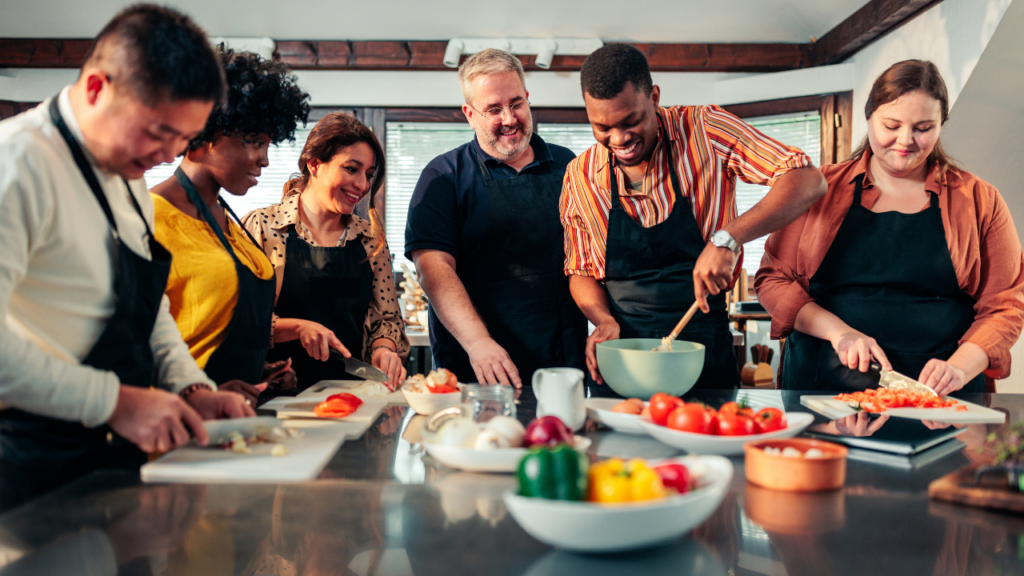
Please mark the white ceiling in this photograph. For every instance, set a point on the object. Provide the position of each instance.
(622, 20)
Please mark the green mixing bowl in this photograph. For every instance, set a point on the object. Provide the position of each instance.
(634, 371)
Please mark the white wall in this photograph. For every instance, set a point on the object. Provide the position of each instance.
(952, 34)
(986, 133)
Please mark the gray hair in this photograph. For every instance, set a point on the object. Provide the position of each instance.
(487, 61)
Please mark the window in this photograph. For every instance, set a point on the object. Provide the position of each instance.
(802, 130)
(411, 146)
(284, 161)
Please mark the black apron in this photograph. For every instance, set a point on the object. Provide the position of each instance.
(243, 352)
(889, 276)
(519, 288)
(38, 453)
(332, 286)
(649, 282)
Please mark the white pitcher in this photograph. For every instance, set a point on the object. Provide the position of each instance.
(559, 392)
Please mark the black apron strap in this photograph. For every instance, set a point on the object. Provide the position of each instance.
(204, 211)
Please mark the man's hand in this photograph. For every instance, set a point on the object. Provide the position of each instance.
(712, 273)
(318, 341)
(391, 363)
(607, 330)
(248, 391)
(218, 405)
(156, 420)
(492, 364)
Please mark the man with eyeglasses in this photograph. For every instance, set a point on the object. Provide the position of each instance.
(484, 232)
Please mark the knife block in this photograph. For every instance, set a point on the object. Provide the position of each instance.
(757, 374)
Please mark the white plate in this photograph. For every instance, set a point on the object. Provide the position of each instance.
(834, 409)
(600, 409)
(724, 445)
(588, 527)
(500, 460)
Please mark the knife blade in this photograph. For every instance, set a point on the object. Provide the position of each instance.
(895, 381)
(360, 368)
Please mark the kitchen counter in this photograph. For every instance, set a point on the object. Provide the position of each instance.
(381, 507)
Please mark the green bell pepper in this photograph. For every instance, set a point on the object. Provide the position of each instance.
(555, 473)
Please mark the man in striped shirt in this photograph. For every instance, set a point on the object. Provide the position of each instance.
(650, 211)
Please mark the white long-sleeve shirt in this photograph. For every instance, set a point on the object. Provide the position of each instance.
(57, 275)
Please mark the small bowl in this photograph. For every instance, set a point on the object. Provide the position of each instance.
(632, 370)
(777, 472)
(605, 528)
(428, 403)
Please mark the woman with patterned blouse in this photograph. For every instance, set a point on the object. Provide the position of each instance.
(335, 288)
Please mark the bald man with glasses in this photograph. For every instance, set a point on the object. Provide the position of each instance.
(484, 232)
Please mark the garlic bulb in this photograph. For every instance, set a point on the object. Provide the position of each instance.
(509, 428)
(458, 432)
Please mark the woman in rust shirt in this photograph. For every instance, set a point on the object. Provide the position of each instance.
(908, 259)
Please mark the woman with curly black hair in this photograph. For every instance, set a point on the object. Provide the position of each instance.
(221, 286)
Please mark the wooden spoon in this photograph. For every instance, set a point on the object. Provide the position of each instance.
(666, 342)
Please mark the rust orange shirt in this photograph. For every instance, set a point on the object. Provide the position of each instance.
(983, 244)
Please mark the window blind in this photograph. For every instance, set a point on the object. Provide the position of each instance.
(802, 130)
(411, 146)
(284, 162)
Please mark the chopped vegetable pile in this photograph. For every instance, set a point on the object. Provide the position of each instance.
(440, 381)
(338, 406)
(878, 400)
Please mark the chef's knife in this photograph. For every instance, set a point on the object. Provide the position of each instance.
(360, 368)
(896, 381)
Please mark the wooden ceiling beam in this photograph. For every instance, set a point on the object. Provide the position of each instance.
(873, 20)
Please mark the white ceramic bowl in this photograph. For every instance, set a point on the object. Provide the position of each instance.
(600, 409)
(588, 527)
(724, 445)
(472, 460)
(427, 403)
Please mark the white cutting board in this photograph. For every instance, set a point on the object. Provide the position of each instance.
(305, 459)
(302, 407)
(395, 398)
(833, 409)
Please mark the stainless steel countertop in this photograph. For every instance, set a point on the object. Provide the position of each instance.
(380, 507)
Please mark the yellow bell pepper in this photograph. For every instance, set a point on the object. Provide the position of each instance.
(614, 481)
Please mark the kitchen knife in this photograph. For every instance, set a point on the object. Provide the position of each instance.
(360, 368)
(896, 381)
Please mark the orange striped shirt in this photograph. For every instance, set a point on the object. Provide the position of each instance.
(710, 146)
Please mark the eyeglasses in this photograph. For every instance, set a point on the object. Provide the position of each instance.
(497, 113)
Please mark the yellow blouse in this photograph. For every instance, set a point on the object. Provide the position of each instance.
(203, 285)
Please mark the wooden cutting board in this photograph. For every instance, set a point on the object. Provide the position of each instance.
(958, 487)
(833, 409)
(305, 459)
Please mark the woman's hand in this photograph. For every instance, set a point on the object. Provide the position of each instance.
(391, 363)
(248, 391)
(859, 424)
(280, 375)
(942, 377)
(855, 351)
(318, 341)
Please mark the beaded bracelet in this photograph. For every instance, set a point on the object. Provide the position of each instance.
(375, 348)
(191, 389)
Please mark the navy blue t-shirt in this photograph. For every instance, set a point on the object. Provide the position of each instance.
(449, 210)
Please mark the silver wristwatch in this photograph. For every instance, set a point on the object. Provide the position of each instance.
(723, 239)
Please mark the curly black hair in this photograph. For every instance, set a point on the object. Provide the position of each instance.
(605, 72)
(263, 98)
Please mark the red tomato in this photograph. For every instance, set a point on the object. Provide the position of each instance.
(735, 425)
(675, 476)
(734, 408)
(690, 418)
(769, 420)
(661, 405)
